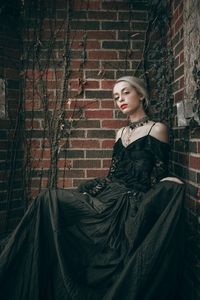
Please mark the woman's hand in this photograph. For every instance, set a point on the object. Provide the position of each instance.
(175, 179)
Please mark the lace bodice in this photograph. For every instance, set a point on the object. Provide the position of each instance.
(141, 164)
(138, 166)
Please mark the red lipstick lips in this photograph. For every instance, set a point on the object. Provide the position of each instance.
(123, 106)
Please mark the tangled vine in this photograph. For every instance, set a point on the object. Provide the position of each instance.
(49, 57)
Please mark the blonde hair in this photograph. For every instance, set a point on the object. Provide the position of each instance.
(140, 86)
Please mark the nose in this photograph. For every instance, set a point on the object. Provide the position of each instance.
(121, 98)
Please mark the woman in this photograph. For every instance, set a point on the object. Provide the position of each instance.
(118, 237)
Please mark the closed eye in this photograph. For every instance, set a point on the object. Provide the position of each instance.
(126, 92)
(116, 98)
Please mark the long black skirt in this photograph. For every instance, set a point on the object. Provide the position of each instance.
(71, 246)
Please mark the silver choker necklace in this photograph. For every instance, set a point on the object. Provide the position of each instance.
(138, 123)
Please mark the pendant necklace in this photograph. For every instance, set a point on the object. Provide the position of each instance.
(132, 126)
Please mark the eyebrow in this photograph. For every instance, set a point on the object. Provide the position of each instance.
(122, 90)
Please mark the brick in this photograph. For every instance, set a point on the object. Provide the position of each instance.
(64, 164)
(72, 173)
(134, 15)
(118, 64)
(179, 96)
(106, 163)
(77, 133)
(88, 164)
(133, 35)
(195, 162)
(35, 134)
(179, 23)
(129, 55)
(114, 45)
(175, 17)
(102, 15)
(64, 183)
(92, 5)
(178, 48)
(39, 153)
(114, 123)
(32, 124)
(107, 84)
(45, 164)
(84, 25)
(96, 173)
(90, 84)
(108, 144)
(98, 153)
(98, 94)
(101, 35)
(102, 54)
(71, 154)
(179, 72)
(88, 124)
(99, 74)
(84, 104)
(101, 134)
(85, 144)
(109, 25)
(98, 114)
(113, 5)
(176, 39)
(78, 54)
(181, 82)
(181, 57)
(89, 45)
(107, 104)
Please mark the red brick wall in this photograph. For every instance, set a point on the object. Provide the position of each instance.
(105, 40)
(186, 164)
(100, 38)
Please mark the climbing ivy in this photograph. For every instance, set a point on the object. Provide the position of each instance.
(158, 60)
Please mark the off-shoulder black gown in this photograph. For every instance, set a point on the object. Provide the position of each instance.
(118, 238)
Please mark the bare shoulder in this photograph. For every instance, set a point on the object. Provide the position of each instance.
(160, 131)
(119, 133)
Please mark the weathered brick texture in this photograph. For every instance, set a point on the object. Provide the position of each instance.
(105, 40)
(186, 164)
(100, 36)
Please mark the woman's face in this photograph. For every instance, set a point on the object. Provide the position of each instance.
(127, 98)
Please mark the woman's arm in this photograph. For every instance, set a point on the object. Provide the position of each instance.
(160, 131)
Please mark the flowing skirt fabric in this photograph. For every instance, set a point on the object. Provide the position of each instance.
(71, 246)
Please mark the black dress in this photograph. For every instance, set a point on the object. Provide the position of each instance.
(119, 237)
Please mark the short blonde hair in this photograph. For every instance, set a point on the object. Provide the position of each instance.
(139, 85)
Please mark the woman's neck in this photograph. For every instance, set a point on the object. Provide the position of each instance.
(137, 117)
